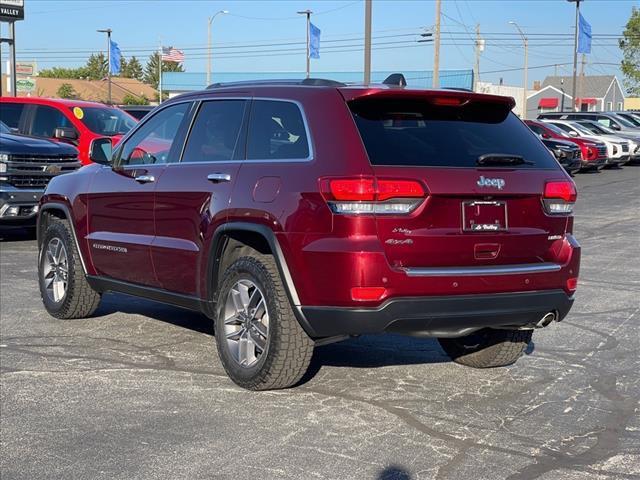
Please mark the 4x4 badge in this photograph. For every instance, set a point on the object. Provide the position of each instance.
(491, 182)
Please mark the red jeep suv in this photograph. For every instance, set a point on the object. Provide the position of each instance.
(297, 213)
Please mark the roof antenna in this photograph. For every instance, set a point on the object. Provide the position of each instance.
(396, 79)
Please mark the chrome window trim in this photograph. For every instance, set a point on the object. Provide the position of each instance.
(545, 267)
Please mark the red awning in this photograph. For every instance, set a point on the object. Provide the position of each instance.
(588, 101)
(548, 103)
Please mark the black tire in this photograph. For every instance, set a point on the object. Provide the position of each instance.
(487, 348)
(288, 350)
(79, 300)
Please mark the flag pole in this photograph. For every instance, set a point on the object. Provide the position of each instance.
(108, 32)
(160, 74)
(308, 15)
(575, 56)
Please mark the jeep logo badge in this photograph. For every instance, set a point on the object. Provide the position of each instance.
(491, 182)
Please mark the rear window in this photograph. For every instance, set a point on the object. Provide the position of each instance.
(410, 133)
(105, 121)
(10, 114)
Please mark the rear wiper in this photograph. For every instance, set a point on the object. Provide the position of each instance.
(502, 159)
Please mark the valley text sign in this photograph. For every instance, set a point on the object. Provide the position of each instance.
(11, 10)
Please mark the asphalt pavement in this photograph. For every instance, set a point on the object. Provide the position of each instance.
(138, 392)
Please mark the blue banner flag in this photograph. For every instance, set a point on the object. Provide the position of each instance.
(584, 36)
(314, 41)
(114, 58)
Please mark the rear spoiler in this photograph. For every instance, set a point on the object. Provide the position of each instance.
(450, 98)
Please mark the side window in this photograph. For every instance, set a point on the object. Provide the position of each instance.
(151, 143)
(276, 131)
(215, 135)
(536, 129)
(604, 121)
(10, 113)
(46, 120)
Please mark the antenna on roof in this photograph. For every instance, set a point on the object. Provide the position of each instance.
(396, 79)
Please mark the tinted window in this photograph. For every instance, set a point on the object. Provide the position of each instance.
(564, 127)
(536, 128)
(105, 121)
(216, 132)
(10, 113)
(412, 133)
(46, 120)
(151, 143)
(276, 131)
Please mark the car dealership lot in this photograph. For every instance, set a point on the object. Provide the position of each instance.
(139, 392)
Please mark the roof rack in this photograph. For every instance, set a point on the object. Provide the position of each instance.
(313, 82)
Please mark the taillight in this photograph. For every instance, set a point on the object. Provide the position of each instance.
(559, 197)
(572, 284)
(369, 195)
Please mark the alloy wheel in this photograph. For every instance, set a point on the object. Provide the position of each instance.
(55, 272)
(246, 323)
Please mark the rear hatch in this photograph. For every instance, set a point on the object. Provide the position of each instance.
(483, 172)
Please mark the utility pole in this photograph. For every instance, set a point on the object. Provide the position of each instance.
(525, 40)
(367, 42)
(476, 69)
(575, 51)
(436, 53)
(108, 32)
(160, 72)
(308, 15)
(211, 19)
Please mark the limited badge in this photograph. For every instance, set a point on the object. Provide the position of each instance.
(77, 111)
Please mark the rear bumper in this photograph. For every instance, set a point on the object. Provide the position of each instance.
(444, 316)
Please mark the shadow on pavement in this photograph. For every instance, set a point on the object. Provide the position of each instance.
(394, 472)
(17, 234)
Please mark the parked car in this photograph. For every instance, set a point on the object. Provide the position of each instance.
(632, 117)
(434, 213)
(71, 121)
(567, 153)
(26, 166)
(594, 153)
(137, 111)
(617, 148)
(607, 119)
(599, 129)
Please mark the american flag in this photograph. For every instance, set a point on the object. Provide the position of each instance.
(170, 54)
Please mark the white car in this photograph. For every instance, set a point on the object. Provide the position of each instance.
(617, 148)
(599, 129)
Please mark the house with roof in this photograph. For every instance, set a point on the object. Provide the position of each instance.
(595, 93)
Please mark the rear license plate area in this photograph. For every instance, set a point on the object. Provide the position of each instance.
(484, 216)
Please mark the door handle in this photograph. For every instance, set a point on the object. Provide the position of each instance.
(219, 177)
(145, 178)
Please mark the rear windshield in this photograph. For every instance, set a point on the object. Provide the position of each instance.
(105, 121)
(410, 133)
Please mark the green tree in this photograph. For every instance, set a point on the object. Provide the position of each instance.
(97, 66)
(130, 99)
(66, 90)
(61, 72)
(630, 46)
(131, 68)
(151, 69)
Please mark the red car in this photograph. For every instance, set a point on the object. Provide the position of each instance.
(594, 153)
(296, 214)
(71, 121)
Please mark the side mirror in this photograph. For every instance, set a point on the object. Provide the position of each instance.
(573, 133)
(65, 133)
(615, 126)
(546, 135)
(101, 150)
(14, 130)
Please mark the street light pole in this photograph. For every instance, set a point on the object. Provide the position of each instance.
(526, 68)
(367, 42)
(308, 14)
(436, 53)
(211, 19)
(108, 32)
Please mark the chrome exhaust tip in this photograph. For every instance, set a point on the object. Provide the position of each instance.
(546, 320)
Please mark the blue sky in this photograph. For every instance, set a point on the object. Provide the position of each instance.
(63, 33)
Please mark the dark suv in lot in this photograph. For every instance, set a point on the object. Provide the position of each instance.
(295, 214)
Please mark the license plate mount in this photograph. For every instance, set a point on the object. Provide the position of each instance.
(484, 216)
